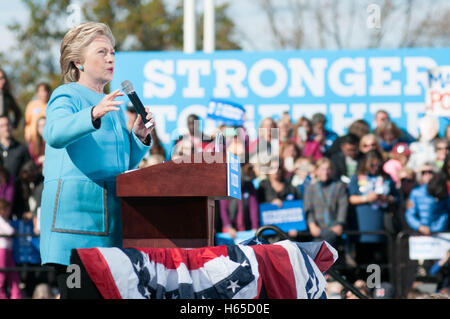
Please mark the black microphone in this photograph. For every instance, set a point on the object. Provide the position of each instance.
(129, 90)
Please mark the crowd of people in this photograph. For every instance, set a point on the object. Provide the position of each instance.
(374, 179)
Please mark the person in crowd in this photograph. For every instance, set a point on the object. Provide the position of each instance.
(9, 280)
(275, 190)
(321, 134)
(263, 143)
(373, 195)
(369, 142)
(425, 173)
(285, 128)
(240, 215)
(388, 135)
(36, 147)
(325, 204)
(381, 117)
(13, 153)
(441, 268)
(358, 128)
(406, 183)
(447, 133)
(87, 146)
(441, 148)
(29, 188)
(289, 153)
(8, 105)
(7, 185)
(347, 160)
(428, 206)
(398, 159)
(423, 150)
(304, 174)
(157, 153)
(35, 110)
(194, 138)
(26, 252)
(302, 135)
(446, 171)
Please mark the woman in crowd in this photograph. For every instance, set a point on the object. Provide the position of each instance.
(8, 105)
(374, 196)
(275, 190)
(325, 204)
(35, 110)
(428, 206)
(388, 135)
(302, 135)
(368, 143)
(36, 147)
(289, 153)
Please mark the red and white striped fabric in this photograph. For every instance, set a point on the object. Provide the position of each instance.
(288, 270)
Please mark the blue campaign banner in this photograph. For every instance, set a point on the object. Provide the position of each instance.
(233, 176)
(287, 217)
(343, 84)
(226, 112)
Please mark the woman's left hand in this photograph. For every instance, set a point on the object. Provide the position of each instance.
(139, 127)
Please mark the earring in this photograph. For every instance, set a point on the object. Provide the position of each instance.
(81, 68)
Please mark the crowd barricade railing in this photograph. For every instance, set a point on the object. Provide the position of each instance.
(403, 260)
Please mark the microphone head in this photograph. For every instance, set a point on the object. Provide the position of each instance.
(127, 87)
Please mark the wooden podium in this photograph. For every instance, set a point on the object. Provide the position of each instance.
(172, 204)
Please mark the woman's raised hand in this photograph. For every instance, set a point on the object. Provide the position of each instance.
(107, 104)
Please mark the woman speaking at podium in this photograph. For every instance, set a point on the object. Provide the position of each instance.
(87, 146)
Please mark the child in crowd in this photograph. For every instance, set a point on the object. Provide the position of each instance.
(9, 280)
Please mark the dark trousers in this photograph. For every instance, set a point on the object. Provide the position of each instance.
(87, 289)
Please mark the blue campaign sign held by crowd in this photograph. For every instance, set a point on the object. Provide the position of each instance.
(345, 85)
(226, 112)
(287, 217)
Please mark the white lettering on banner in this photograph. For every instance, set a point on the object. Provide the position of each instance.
(193, 69)
(342, 122)
(224, 80)
(254, 78)
(287, 215)
(160, 84)
(300, 73)
(355, 82)
(196, 109)
(382, 83)
(417, 74)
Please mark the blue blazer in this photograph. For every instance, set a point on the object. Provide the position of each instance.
(425, 210)
(79, 206)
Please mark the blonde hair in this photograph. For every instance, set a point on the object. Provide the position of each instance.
(73, 44)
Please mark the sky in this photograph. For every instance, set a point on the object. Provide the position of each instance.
(243, 13)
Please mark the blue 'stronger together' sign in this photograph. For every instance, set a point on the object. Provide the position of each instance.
(233, 176)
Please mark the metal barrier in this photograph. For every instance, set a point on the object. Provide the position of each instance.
(402, 260)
